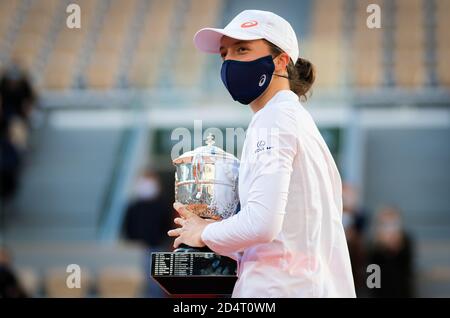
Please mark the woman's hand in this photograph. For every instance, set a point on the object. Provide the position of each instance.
(191, 227)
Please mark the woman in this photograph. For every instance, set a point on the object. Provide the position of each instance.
(288, 236)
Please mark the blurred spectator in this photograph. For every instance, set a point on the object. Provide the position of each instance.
(9, 285)
(147, 220)
(355, 209)
(9, 169)
(16, 101)
(353, 221)
(148, 217)
(392, 251)
(16, 96)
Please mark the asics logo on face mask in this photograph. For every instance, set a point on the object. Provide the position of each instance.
(262, 80)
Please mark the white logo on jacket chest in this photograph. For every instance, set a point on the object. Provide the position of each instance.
(261, 146)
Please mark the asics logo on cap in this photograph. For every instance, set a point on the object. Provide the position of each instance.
(249, 24)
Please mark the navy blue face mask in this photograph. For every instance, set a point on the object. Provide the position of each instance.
(246, 81)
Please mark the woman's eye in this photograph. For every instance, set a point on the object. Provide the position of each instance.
(241, 49)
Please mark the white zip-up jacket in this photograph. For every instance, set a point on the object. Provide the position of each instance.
(288, 236)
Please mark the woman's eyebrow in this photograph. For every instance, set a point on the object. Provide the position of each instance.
(235, 43)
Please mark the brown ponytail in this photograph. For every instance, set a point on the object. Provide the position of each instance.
(301, 75)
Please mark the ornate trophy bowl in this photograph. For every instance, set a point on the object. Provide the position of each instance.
(206, 180)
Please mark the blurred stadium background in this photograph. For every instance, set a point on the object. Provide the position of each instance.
(109, 95)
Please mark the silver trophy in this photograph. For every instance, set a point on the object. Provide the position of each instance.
(206, 181)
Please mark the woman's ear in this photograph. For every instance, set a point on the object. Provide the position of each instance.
(281, 63)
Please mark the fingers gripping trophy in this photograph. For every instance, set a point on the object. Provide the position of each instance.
(206, 182)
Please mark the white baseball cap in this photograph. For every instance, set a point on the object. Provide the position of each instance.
(251, 25)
